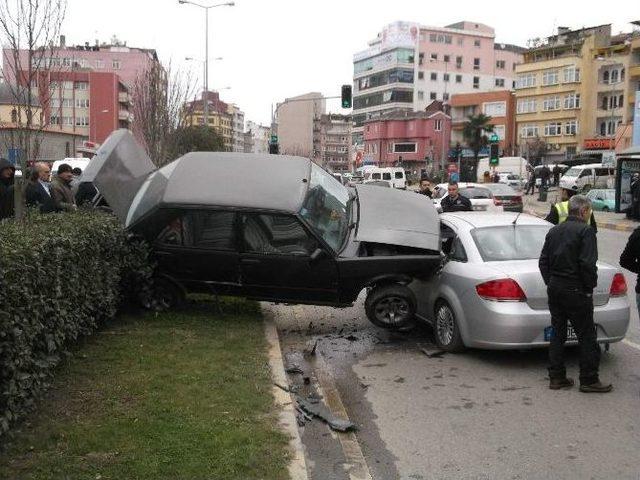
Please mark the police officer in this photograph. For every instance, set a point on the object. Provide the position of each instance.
(568, 266)
(560, 211)
(454, 202)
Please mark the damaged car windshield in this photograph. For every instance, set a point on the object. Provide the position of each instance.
(325, 207)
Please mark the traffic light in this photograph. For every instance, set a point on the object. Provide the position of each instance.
(346, 96)
(494, 154)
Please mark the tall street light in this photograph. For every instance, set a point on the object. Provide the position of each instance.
(204, 68)
(206, 48)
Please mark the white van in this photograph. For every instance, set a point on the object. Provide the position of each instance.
(80, 163)
(514, 165)
(585, 177)
(394, 175)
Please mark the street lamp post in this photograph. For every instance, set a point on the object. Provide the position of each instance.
(443, 154)
(206, 48)
(204, 67)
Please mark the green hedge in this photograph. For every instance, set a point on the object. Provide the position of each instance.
(61, 275)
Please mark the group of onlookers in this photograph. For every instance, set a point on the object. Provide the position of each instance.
(64, 192)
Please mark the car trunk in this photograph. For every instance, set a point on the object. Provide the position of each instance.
(118, 170)
(507, 200)
(528, 276)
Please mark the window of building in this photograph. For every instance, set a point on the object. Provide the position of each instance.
(420, 58)
(446, 58)
(529, 131)
(445, 77)
(434, 57)
(405, 147)
(526, 105)
(116, 64)
(526, 80)
(66, 62)
(67, 102)
(605, 76)
(68, 121)
(397, 75)
(501, 64)
(420, 95)
(434, 76)
(571, 127)
(81, 85)
(476, 82)
(476, 64)
(420, 75)
(458, 62)
(613, 102)
(551, 103)
(476, 43)
(432, 95)
(570, 74)
(82, 103)
(553, 129)
(621, 101)
(438, 125)
(67, 85)
(99, 64)
(572, 100)
(54, 103)
(614, 76)
(54, 120)
(499, 82)
(495, 109)
(550, 77)
(458, 78)
(433, 37)
(447, 39)
(54, 86)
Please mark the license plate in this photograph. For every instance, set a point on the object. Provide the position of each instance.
(571, 333)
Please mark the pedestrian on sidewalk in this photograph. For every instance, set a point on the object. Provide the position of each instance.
(531, 184)
(556, 175)
(61, 189)
(560, 211)
(545, 174)
(630, 259)
(38, 191)
(568, 266)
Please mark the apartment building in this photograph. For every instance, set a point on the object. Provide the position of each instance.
(408, 66)
(259, 137)
(237, 128)
(332, 141)
(218, 117)
(296, 117)
(499, 105)
(575, 91)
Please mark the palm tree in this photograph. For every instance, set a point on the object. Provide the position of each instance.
(474, 133)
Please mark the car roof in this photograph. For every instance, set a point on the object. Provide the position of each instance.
(245, 180)
(463, 185)
(493, 219)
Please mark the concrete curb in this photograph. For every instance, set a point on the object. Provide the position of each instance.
(284, 403)
(609, 226)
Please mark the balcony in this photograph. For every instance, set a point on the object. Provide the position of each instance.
(124, 97)
(634, 71)
(125, 116)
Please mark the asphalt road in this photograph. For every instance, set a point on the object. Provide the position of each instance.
(475, 415)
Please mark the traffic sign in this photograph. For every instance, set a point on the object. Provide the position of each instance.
(609, 158)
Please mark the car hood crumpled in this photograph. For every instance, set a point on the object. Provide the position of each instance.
(397, 217)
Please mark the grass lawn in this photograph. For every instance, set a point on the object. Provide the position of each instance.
(179, 395)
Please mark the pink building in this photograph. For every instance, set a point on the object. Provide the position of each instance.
(414, 140)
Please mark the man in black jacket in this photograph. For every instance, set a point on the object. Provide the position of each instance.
(425, 187)
(568, 267)
(7, 172)
(39, 191)
(630, 259)
(454, 202)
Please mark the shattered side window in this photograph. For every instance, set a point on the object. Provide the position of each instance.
(175, 233)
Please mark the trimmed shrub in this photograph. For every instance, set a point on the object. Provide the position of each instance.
(61, 275)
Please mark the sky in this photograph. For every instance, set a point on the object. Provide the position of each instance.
(273, 49)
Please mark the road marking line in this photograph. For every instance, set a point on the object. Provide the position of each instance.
(631, 344)
(349, 442)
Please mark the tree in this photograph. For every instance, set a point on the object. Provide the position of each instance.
(474, 133)
(159, 99)
(196, 138)
(535, 150)
(28, 32)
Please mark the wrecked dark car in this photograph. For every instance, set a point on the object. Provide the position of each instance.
(271, 227)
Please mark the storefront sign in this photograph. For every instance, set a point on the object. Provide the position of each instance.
(598, 143)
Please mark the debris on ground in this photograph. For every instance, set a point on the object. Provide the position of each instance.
(323, 413)
(352, 338)
(293, 368)
(312, 351)
(432, 352)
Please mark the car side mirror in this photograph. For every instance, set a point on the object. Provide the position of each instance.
(318, 254)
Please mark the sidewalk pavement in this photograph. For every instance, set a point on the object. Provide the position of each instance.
(608, 220)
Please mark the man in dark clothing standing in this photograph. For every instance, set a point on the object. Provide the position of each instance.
(556, 175)
(545, 173)
(531, 184)
(630, 259)
(633, 211)
(61, 189)
(39, 190)
(568, 266)
(425, 187)
(7, 172)
(454, 202)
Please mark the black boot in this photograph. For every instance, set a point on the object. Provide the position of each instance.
(597, 387)
(558, 383)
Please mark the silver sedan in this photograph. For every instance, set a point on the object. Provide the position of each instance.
(490, 294)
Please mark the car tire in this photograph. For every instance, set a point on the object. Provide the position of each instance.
(445, 328)
(392, 307)
(167, 294)
(605, 209)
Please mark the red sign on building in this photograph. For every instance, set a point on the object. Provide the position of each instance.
(598, 144)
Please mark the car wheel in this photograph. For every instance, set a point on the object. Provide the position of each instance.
(445, 328)
(605, 209)
(166, 294)
(392, 307)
